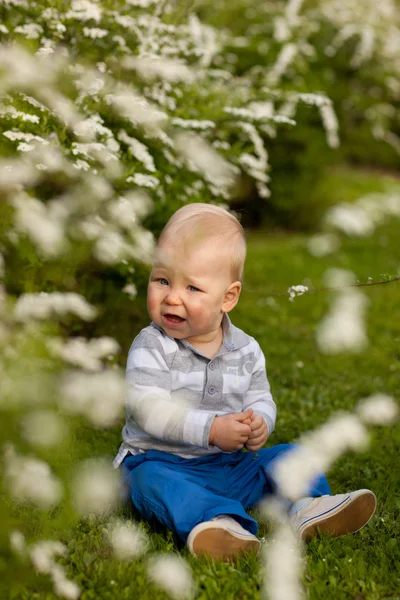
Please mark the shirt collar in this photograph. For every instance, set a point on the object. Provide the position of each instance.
(234, 337)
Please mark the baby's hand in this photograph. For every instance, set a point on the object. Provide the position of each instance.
(258, 435)
(230, 432)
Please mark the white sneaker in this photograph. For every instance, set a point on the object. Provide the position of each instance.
(222, 537)
(336, 515)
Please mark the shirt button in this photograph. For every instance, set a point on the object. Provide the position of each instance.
(211, 390)
(211, 366)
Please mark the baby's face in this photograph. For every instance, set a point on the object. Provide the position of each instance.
(187, 290)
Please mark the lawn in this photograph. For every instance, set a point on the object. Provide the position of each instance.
(308, 387)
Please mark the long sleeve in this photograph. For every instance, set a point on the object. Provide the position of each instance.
(159, 413)
(258, 397)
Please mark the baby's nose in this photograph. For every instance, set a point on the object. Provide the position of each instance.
(173, 297)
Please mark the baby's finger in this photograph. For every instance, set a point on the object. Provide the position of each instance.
(258, 439)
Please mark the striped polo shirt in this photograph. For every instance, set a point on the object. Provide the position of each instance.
(174, 391)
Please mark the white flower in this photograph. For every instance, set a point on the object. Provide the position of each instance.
(43, 428)
(129, 209)
(138, 150)
(32, 31)
(319, 449)
(378, 409)
(128, 541)
(330, 122)
(94, 32)
(206, 160)
(283, 561)
(32, 217)
(130, 289)
(143, 180)
(98, 396)
(84, 10)
(285, 57)
(193, 124)
(323, 244)
(83, 353)
(343, 328)
(62, 586)
(17, 542)
(296, 290)
(42, 554)
(95, 487)
(156, 67)
(31, 479)
(351, 219)
(56, 304)
(110, 248)
(136, 108)
(172, 574)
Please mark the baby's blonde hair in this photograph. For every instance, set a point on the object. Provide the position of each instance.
(200, 223)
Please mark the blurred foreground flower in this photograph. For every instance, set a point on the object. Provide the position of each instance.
(30, 479)
(43, 428)
(319, 449)
(95, 487)
(100, 397)
(343, 329)
(283, 563)
(53, 305)
(42, 555)
(128, 541)
(378, 409)
(171, 573)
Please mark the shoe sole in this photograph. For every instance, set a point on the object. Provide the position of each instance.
(220, 543)
(350, 516)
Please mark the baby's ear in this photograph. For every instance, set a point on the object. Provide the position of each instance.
(231, 296)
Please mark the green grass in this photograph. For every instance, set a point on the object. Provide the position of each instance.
(365, 566)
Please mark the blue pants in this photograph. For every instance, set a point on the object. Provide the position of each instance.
(182, 492)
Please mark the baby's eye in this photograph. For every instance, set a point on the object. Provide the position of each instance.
(163, 281)
(193, 288)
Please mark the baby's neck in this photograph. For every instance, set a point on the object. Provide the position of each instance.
(208, 345)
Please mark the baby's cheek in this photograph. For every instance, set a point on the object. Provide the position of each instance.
(152, 301)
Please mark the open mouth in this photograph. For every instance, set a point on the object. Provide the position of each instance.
(173, 319)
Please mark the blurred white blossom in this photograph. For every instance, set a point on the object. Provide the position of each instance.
(206, 160)
(52, 305)
(84, 10)
(130, 289)
(17, 542)
(62, 586)
(127, 539)
(95, 487)
(129, 209)
(172, 574)
(156, 67)
(378, 409)
(33, 218)
(87, 354)
(43, 553)
(343, 329)
(43, 428)
(319, 449)
(350, 219)
(283, 563)
(30, 479)
(100, 397)
(322, 244)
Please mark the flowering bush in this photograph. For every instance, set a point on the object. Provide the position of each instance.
(347, 50)
(112, 116)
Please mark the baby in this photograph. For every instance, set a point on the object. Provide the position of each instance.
(198, 394)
